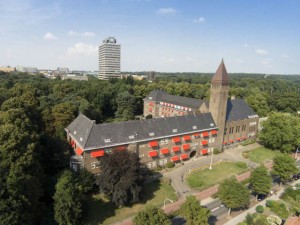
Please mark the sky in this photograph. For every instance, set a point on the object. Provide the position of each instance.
(252, 36)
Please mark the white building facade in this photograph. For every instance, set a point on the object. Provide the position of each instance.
(109, 59)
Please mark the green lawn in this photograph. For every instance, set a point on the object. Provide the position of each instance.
(205, 178)
(261, 154)
(101, 211)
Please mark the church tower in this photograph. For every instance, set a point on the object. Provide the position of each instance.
(218, 99)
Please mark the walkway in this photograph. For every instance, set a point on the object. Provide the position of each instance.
(178, 181)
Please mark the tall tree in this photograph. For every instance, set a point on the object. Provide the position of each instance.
(67, 200)
(233, 194)
(121, 178)
(261, 181)
(281, 131)
(284, 167)
(126, 106)
(193, 212)
(151, 216)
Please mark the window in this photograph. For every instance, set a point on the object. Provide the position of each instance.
(107, 140)
(243, 127)
(164, 141)
(252, 124)
(74, 167)
(95, 165)
(194, 144)
(163, 162)
(237, 129)
(231, 130)
(252, 129)
(212, 140)
(141, 155)
(151, 164)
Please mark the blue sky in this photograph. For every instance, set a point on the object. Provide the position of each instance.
(260, 36)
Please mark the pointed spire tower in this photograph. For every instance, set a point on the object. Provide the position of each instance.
(218, 99)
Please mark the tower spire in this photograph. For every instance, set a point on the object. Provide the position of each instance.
(221, 76)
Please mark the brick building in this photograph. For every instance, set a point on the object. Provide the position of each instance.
(234, 117)
(181, 128)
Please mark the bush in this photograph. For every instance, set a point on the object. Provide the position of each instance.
(269, 203)
(216, 151)
(278, 208)
(248, 142)
(242, 165)
(259, 209)
(170, 165)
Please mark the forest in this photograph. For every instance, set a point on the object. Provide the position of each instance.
(34, 111)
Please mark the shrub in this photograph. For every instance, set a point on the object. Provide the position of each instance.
(259, 209)
(278, 208)
(170, 165)
(245, 154)
(248, 142)
(269, 203)
(242, 165)
(216, 151)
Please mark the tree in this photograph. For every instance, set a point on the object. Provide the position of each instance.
(121, 178)
(281, 131)
(284, 167)
(126, 106)
(233, 194)
(260, 180)
(67, 200)
(193, 212)
(151, 216)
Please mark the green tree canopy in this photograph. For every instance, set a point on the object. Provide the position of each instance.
(233, 194)
(260, 180)
(121, 178)
(193, 212)
(284, 167)
(151, 216)
(281, 131)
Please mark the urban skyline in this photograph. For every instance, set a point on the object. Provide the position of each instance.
(169, 36)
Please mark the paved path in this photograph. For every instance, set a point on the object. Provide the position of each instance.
(178, 181)
(241, 217)
(177, 175)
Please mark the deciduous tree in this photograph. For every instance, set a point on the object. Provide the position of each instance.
(284, 167)
(120, 178)
(261, 181)
(193, 212)
(233, 194)
(151, 216)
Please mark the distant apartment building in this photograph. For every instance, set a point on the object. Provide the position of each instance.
(63, 70)
(7, 69)
(27, 69)
(151, 76)
(109, 59)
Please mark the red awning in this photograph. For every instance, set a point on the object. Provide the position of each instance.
(238, 139)
(204, 151)
(186, 147)
(205, 134)
(213, 132)
(97, 153)
(78, 151)
(187, 137)
(164, 151)
(224, 143)
(196, 134)
(231, 141)
(120, 148)
(184, 156)
(152, 153)
(176, 139)
(204, 142)
(175, 158)
(153, 144)
(176, 148)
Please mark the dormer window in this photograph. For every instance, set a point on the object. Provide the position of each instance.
(212, 124)
(81, 139)
(107, 140)
(131, 137)
(174, 130)
(75, 132)
(194, 127)
(151, 134)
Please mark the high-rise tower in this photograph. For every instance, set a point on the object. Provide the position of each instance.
(218, 99)
(109, 59)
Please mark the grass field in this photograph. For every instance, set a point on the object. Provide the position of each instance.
(101, 211)
(261, 154)
(205, 178)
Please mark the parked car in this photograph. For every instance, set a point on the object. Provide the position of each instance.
(296, 176)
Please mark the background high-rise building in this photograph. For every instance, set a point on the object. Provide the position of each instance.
(109, 59)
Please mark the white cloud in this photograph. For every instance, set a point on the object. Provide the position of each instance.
(199, 20)
(261, 51)
(84, 34)
(49, 36)
(82, 49)
(245, 45)
(267, 61)
(88, 34)
(285, 56)
(167, 11)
